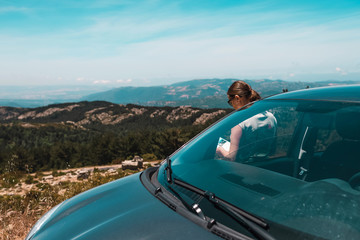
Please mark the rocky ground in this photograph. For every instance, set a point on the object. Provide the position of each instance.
(24, 203)
(68, 175)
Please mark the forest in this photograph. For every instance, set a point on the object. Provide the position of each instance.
(58, 147)
(57, 136)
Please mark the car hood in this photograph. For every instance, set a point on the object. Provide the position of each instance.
(122, 209)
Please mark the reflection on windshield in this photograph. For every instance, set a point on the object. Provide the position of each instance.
(259, 129)
(294, 163)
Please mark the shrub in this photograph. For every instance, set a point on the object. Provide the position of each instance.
(149, 157)
(29, 179)
(9, 179)
(29, 208)
(116, 161)
(39, 175)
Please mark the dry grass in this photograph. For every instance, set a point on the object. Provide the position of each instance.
(18, 213)
(15, 224)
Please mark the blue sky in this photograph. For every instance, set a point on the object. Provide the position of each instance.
(155, 42)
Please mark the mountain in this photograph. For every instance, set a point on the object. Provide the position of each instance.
(204, 93)
(94, 133)
(101, 114)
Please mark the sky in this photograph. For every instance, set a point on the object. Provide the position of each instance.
(157, 42)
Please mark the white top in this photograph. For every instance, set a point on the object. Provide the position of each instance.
(258, 135)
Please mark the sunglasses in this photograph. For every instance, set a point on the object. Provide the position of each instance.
(232, 98)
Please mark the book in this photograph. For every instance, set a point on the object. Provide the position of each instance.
(224, 144)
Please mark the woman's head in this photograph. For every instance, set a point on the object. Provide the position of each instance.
(240, 93)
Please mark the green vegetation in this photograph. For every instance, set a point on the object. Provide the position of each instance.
(18, 213)
(46, 194)
(54, 138)
(54, 147)
(71, 135)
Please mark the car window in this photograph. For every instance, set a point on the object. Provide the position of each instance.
(269, 145)
(298, 161)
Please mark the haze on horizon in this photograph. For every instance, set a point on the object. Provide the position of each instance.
(157, 42)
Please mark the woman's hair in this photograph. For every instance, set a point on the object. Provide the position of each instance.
(241, 88)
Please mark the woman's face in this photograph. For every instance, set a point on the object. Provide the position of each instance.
(237, 101)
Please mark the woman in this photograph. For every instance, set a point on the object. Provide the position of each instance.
(260, 127)
(240, 93)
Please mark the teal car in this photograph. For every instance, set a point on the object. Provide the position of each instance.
(294, 173)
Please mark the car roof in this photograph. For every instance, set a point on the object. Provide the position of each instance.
(332, 93)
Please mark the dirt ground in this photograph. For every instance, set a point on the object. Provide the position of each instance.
(15, 225)
(70, 174)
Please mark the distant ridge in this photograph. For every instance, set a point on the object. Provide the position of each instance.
(202, 93)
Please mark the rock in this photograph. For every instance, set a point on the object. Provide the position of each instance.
(139, 160)
(207, 116)
(62, 192)
(10, 214)
(129, 164)
(48, 178)
(134, 164)
(64, 178)
(182, 112)
(83, 174)
(111, 171)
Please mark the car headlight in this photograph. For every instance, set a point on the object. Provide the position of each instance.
(41, 222)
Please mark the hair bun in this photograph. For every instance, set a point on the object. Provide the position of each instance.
(241, 88)
(254, 96)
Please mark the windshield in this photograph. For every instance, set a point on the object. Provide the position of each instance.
(294, 163)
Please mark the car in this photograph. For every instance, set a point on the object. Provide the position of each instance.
(296, 178)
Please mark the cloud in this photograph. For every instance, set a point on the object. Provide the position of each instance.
(341, 71)
(160, 40)
(101, 82)
(124, 81)
(292, 75)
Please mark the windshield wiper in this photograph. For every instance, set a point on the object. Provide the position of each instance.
(192, 188)
(253, 224)
(168, 170)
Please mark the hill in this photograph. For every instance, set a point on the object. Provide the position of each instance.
(80, 134)
(204, 93)
(106, 115)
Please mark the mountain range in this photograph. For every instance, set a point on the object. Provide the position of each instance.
(98, 115)
(83, 133)
(205, 93)
(202, 93)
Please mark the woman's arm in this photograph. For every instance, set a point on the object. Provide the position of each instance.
(235, 136)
